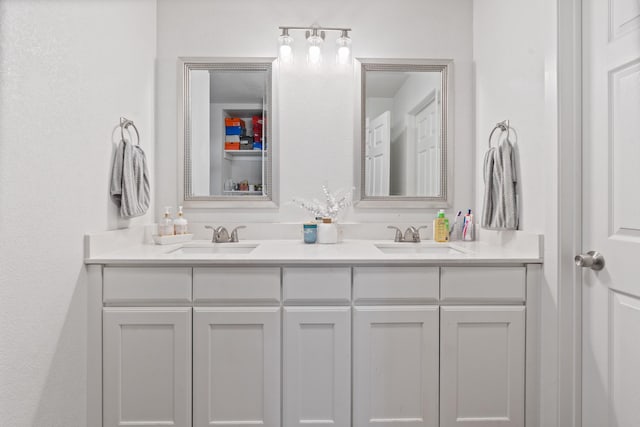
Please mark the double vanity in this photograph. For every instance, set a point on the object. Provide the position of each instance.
(279, 333)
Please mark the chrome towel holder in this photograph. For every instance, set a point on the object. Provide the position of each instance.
(503, 126)
(124, 124)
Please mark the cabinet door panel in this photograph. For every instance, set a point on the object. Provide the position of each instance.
(236, 366)
(147, 367)
(482, 359)
(396, 366)
(317, 366)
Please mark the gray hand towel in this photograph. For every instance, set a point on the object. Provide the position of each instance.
(130, 188)
(500, 208)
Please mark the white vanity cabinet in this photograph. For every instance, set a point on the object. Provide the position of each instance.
(295, 345)
(236, 346)
(146, 349)
(395, 346)
(482, 347)
(316, 346)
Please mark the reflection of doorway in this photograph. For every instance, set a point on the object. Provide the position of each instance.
(378, 155)
(423, 154)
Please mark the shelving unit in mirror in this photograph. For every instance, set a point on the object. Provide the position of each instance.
(244, 154)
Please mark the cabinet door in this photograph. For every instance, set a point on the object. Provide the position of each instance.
(482, 366)
(147, 367)
(317, 366)
(236, 367)
(395, 362)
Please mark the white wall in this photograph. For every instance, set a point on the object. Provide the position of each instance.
(515, 54)
(68, 70)
(315, 108)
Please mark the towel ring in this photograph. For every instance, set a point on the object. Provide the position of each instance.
(503, 126)
(124, 124)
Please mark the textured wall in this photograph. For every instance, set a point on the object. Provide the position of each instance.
(68, 70)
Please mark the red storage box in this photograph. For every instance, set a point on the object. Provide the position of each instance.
(231, 145)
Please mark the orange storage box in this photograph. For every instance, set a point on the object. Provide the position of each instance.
(234, 121)
(231, 145)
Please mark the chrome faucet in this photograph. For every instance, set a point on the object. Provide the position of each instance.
(221, 235)
(412, 234)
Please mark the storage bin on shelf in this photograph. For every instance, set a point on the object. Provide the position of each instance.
(234, 122)
(234, 130)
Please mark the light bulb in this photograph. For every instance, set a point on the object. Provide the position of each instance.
(314, 55)
(343, 43)
(285, 51)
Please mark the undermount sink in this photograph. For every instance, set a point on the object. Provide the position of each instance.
(417, 248)
(216, 248)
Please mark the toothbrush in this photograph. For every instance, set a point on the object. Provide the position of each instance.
(455, 223)
(467, 219)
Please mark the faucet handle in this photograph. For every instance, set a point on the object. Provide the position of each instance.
(213, 238)
(234, 233)
(398, 237)
(418, 231)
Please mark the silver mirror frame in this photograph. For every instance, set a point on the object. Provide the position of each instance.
(445, 66)
(187, 199)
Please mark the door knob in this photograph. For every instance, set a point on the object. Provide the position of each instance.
(592, 259)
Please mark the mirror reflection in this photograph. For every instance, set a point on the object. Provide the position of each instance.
(404, 128)
(226, 132)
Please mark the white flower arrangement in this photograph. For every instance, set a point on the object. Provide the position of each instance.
(330, 207)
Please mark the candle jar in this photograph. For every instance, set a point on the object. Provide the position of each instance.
(310, 232)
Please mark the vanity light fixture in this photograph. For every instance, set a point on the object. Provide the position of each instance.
(315, 36)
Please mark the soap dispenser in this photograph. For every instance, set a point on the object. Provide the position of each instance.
(180, 223)
(166, 224)
(441, 228)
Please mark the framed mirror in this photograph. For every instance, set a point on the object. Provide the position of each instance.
(404, 133)
(225, 132)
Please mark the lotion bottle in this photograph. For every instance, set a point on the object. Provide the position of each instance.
(166, 224)
(180, 223)
(441, 228)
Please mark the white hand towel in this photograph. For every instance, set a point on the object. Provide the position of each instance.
(130, 188)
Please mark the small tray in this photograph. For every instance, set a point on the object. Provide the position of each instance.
(170, 240)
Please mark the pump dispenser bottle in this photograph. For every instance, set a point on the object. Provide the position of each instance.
(166, 224)
(180, 223)
(441, 228)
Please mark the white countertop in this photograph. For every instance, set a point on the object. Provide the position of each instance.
(353, 252)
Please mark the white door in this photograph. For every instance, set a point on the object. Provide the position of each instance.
(378, 155)
(317, 366)
(611, 213)
(482, 358)
(147, 367)
(427, 155)
(395, 362)
(236, 367)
